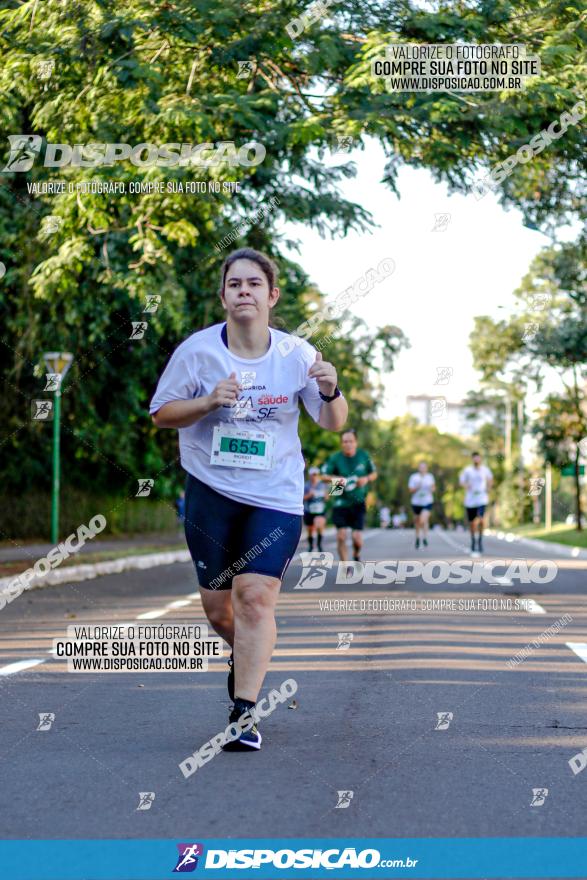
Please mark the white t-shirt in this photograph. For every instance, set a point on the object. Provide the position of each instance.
(475, 480)
(270, 404)
(424, 486)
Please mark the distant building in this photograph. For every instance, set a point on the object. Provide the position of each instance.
(448, 417)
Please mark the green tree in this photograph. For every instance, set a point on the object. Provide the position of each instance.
(397, 447)
(169, 73)
(547, 334)
(561, 425)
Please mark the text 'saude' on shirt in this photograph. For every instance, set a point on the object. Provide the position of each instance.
(270, 404)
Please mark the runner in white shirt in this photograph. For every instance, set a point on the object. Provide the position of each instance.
(477, 480)
(234, 397)
(421, 485)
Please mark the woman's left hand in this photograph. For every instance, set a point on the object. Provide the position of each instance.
(325, 375)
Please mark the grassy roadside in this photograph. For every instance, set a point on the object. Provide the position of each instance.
(560, 533)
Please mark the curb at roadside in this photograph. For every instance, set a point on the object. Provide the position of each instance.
(69, 574)
(564, 549)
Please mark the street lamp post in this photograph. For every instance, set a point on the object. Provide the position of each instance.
(521, 454)
(508, 434)
(57, 363)
(548, 498)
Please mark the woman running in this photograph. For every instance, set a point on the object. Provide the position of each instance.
(421, 484)
(234, 398)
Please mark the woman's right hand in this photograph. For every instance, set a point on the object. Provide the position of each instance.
(225, 393)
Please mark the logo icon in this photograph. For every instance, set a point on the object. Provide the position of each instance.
(441, 222)
(45, 69)
(438, 407)
(530, 332)
(337, 486)
(53, 381)
(444, 719)
(245, 69)
(146, 799)
(247, 379)
(42, 410)
(315, 567)
(344, 144)
(540, 301)
(344, 799)
(443, 375)
(152, 303)
(50, 224)
(242, 407)
(138, 329)
(24, 149)
(536, 485)
(145, 487)
(187, 859)
(539, 795)
(46, 719)
(344, 641)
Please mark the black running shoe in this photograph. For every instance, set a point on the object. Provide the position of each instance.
(417, 543)
(479, 545)
(230, 682)
(249, 740)
(356, 558)
(425, 542)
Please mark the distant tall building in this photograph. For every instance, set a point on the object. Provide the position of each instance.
(449, 417)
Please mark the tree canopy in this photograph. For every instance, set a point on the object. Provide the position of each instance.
(80, 267)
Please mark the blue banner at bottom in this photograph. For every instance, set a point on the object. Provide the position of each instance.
(268, 859)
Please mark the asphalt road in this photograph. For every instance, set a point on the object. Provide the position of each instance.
(365, 719)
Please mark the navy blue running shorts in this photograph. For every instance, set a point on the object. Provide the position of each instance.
(418, 508)
(474, 512)
(226, 537)
(351, 516)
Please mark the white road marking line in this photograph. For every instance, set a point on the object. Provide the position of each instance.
(532, 607)
(371, 533)
(580, 649)
(181, 603)
(151, 615)
(194, 596)
(19, 666)
(452, 543)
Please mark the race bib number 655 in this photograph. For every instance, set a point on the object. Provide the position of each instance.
(236, 447)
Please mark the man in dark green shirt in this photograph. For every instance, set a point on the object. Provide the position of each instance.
(350, 472)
